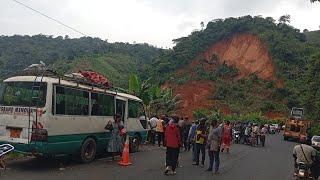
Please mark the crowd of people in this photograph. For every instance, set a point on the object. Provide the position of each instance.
(252, 133)
(203, 137)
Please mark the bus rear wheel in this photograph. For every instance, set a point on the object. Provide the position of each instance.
(88, 150)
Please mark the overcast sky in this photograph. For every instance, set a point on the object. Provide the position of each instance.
(156, 22)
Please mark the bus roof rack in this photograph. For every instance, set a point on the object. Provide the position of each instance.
(41, 69)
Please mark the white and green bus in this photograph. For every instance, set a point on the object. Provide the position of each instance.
(66, 117)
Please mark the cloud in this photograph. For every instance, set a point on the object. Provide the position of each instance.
(153, 21)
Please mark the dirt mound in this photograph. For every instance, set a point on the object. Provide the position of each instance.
(275, 115)
(247, 53)
(194, 95)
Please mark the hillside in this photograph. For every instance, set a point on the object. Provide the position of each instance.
(235, 65)
(115, 60)
(313, 37)
(239, 65)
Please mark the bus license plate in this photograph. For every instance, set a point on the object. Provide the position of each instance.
(15, 133)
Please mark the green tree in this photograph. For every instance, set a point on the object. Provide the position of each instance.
(284, 19)
(312, 94)
(202, 25)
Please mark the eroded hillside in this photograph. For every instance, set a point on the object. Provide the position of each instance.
(245, 52)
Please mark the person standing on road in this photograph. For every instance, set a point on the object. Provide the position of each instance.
(263, 133)
(185, 134)
(200, 140)
(173, 144)
(255, 131)
(115, 144)
(191, 138)
(160, 130)
(226, 137)
(247, 134)
(153, 124)
(181, 124)
(214, 142)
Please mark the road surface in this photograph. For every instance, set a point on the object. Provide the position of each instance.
(248, 163)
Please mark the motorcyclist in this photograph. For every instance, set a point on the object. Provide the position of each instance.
(307, 155)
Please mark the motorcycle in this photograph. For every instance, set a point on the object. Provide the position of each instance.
(237, 136)
(303, 171)
(4, 149)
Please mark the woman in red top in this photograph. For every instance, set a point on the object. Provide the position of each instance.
(173, 144)
(226, 136)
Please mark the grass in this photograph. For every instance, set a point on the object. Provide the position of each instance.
(13, 156)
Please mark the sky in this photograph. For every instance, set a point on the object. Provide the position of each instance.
(156, 22)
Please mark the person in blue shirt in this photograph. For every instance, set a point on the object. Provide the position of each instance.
(191, 138)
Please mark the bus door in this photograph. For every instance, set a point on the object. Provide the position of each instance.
(121, 108)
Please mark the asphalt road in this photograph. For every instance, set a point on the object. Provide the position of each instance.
(273, 162)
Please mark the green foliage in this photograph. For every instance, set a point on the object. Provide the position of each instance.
(249, 95)
(284, 19)
(313, 37)
(207, 114)
(155, 99)
(13, 156)
(253, 117)
(311, 99)
(115, 60)
(290, 51)
(134, 84)
(201, 113)
(315, 129)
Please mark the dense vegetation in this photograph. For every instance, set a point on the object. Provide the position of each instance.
(290, 50)
(313, 37)
(115, 60)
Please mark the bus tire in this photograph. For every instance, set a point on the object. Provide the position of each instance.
(88, 150)
(135, 143)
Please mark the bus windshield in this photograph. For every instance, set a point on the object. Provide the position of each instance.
(23, 94)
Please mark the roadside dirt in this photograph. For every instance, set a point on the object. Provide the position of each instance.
(195, 95)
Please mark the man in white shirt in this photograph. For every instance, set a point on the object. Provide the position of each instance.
(153, 124)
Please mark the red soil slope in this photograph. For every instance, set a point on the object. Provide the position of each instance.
(194, 95)
(247, 53)
(244, 51)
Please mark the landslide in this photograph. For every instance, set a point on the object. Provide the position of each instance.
(247, 53)
(249, 64)
(244, 52)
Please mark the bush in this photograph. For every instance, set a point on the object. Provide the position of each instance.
(315, 130)
(209, 115)
(201, 113)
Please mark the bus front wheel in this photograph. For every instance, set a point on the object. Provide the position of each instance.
(88, 150)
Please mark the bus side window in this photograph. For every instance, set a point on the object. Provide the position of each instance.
(71, 101)
(60, 100)
(102, 104)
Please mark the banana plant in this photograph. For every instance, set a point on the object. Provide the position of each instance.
(155, 99)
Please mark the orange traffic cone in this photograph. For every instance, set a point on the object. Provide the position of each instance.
(125, 154)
